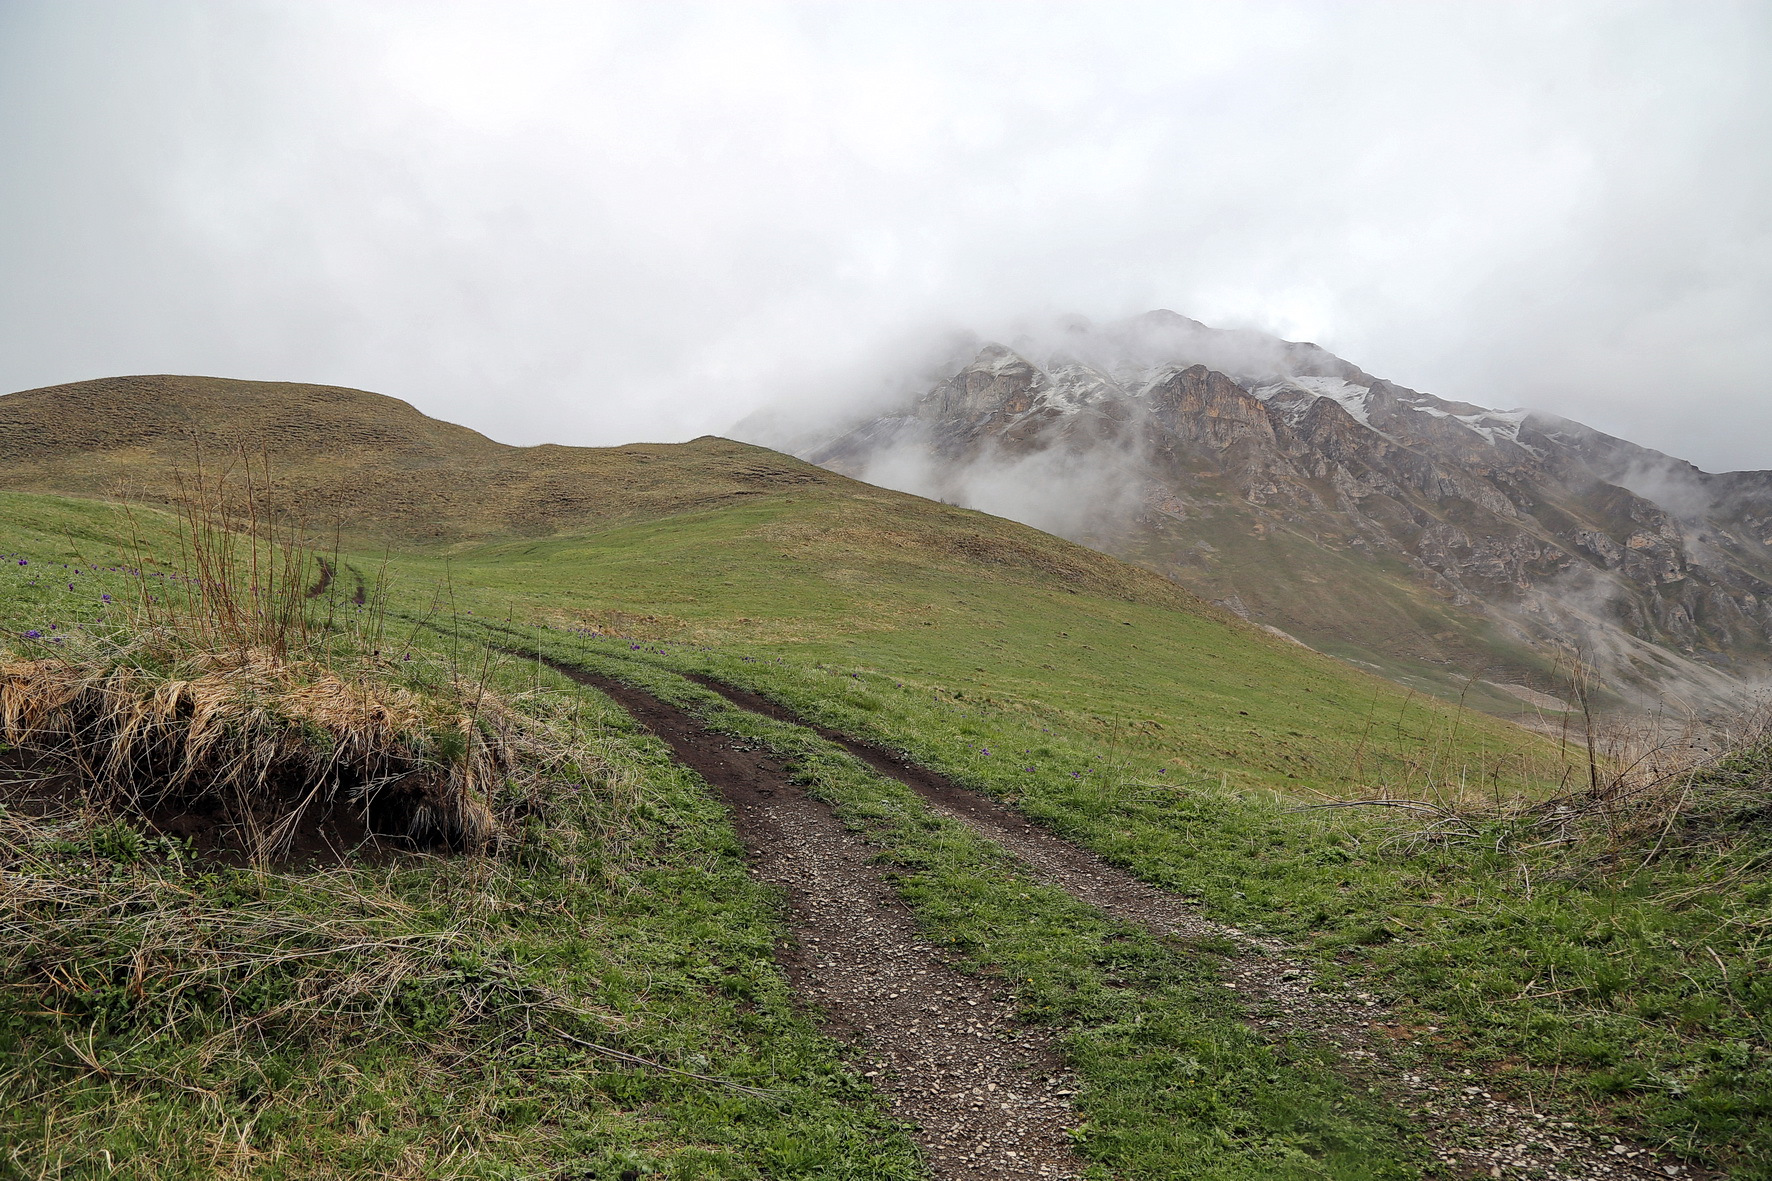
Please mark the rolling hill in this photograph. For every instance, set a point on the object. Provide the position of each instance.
(367, 462)
(839, 807)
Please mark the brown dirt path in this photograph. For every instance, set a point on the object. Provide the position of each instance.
(1476, 1131)
(987, 1099)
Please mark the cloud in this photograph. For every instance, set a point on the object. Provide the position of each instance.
(595, 223)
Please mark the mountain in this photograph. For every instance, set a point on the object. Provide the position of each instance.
(1440, 541)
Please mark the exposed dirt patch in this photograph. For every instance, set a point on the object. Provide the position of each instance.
(985, 1097)
(1476, 1130)
(47, 789)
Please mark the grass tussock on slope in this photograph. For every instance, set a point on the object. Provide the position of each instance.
(228, 689)
(266, 746)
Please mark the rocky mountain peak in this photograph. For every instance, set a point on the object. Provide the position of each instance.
(1355, 513)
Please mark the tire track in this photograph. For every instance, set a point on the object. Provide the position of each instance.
(986, 1098)
(1474, 1130)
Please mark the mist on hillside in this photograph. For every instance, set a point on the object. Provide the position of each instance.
(602, 223)
(1091, 471)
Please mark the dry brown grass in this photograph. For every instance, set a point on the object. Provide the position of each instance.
(233, 697)
(267, 741)
(1637, 789)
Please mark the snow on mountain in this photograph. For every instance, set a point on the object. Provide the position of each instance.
(1194, 450)
(1351, 397)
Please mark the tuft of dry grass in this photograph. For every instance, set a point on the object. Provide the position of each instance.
(1654, 787)
(1646, 788)
(245, 695)
(267, 742)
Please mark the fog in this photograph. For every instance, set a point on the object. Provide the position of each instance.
(593, 224)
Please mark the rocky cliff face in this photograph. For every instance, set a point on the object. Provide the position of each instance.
(1364, 517)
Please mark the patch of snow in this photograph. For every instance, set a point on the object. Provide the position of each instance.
(1073, 387)
(1493, 425)
(1352, 397)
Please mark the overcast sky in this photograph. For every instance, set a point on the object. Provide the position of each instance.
(595, 224)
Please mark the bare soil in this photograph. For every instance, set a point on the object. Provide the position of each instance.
(985, 1097)
(1476, 1130)
(46, 788)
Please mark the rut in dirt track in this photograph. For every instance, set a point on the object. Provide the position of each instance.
(1473, 1130)
(985, 1098)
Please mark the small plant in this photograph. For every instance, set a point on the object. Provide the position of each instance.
(117, 841)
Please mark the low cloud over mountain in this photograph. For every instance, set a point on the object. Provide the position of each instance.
(1437, 539)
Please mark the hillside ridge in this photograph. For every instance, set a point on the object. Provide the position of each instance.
(383, 472)
(372, 463)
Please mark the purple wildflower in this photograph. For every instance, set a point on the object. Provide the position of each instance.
(33, 634)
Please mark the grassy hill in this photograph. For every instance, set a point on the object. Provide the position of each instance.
(1103, 702)
(720, 542)
(366, 462)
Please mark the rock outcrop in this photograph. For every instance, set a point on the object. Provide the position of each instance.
(1357, 514)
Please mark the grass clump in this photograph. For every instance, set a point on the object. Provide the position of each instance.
(241, 694)
(264, 747)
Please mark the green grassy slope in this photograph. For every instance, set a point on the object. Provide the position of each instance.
(634, 904)
(1106, 703)
(415, 1017)
(954, 605)
(950, 604)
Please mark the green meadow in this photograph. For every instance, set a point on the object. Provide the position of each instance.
(1612, 974)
